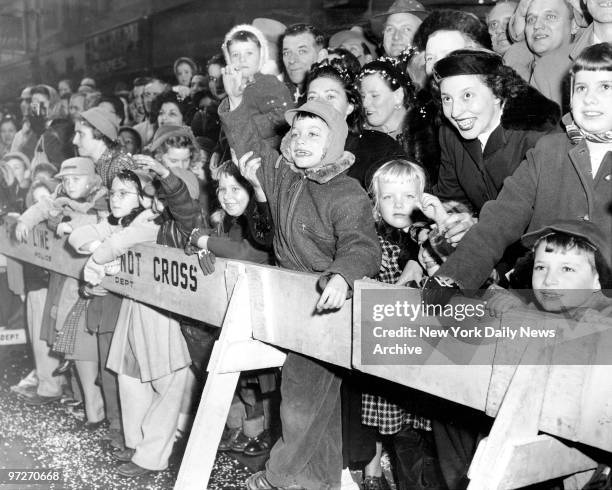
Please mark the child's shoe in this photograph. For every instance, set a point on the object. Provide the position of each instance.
(259, 445)
(63, 367)
(228, 438)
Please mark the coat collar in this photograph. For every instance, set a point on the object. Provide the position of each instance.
(584, 41)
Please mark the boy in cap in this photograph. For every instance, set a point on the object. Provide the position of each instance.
(323, 224)
(571, 266)
(96, 133)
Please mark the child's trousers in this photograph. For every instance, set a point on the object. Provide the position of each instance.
(150, 413)
(48, 385)
(309, 453)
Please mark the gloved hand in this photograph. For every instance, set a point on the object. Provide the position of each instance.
(207, 261)
(439, 290)
(93, 273)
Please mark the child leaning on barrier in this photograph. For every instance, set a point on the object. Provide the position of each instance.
(148, 351)
(570, 265)
(243, 231)
(398, 192)
(76, 200)
(323, 224)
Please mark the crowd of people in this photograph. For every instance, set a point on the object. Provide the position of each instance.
(430, 150)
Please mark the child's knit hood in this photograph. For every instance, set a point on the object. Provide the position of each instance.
(335, 121)
(266, 66)
(335, 159)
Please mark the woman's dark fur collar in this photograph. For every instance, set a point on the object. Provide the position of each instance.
(531, 111)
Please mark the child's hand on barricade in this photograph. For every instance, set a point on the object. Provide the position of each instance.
(207, 261)
(500, 300)
(334, 294)
(234, 85)
(93, 273)
(149, 164)
(412, 272)
(21, 231)
(63, 229)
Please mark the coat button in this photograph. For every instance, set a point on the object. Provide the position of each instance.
(608, 177)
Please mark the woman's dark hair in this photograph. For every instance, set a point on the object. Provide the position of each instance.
(128, 176)
(350, 60)
(337, 69)
(597, 57)
(452, 20)
(117, 106)
(184, 105)
(393, 72)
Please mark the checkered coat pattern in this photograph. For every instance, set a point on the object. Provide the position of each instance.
(376, 410)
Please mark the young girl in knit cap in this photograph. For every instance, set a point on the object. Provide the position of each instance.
(246, 52)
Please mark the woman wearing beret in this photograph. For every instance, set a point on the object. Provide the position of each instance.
(491, 118)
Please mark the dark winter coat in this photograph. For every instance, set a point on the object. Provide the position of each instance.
(266, 100)
(181, 214)
(323, 219)
(371, 149)
(554, 182)
(473, 176)
(233, 240)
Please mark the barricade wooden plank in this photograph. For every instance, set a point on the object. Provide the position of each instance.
(161, 276)
(466, 384)
(282, 306)
(539, 459)
(283, 314)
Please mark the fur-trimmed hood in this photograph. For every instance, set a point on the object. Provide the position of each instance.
(322, 174)
(266, 65)
(530, 111)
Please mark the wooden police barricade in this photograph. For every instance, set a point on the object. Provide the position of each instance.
(528, 401)
(261, 307)
(167, 278)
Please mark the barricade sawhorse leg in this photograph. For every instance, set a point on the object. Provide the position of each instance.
(514, 455)
(234, 352)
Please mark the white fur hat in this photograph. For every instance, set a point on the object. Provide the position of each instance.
(266, 65)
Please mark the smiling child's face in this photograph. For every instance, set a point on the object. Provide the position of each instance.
(309, 138)
(562, 279)
(592, 100)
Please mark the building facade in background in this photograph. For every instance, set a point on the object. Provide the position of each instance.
(117, 40)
